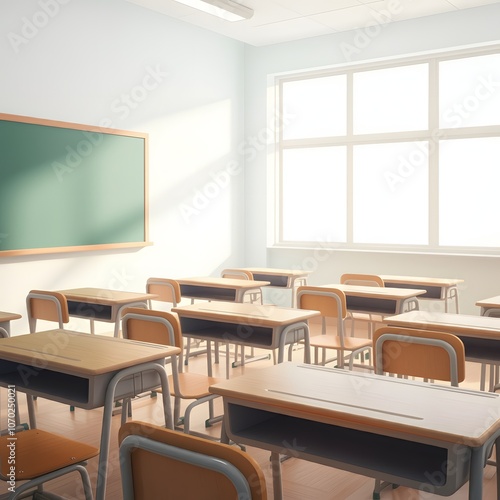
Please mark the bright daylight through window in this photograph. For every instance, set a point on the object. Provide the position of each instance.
(401, 155)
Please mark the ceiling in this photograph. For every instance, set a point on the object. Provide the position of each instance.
(276, 21)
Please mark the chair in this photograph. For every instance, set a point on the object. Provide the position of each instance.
(47, 306)
(331, 303)
(41, 456)
(426, 354)
(255, 296)
(430, 355)
(362, 280)
(4, 334)
(161, 327)
(160, 463)
(493, 368)
(168, 290)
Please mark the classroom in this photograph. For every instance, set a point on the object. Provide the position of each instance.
(207, 102)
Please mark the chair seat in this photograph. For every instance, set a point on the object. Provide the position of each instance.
(374, 318)
(38, 452)
(193, 385)
(333, 342)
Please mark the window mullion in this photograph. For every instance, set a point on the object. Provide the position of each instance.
(434, 135)
(349, 158)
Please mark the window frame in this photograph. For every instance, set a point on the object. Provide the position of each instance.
(433, 134)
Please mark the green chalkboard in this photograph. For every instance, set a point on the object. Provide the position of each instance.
(68, 187)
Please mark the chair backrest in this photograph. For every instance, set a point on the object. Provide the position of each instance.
(419, 353)
(48, 306)
(330, 302)
(148, 325)
(157, 462)
(168, 290)
(361, 279)
(237, 274)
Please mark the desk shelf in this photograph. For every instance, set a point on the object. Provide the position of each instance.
(88, 310)
(424, 466)
(481, 350)
(46, 383)
(432, 292)
(233, 333)
(274, 280)
(365, 304)
(208, 293)
(82, 392)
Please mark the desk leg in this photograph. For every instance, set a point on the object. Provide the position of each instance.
(102, 469)
(296, 283)
(476, 474)
(276, 472)
(497, 454)
(451, 294)
(224, 438)
(209, 358)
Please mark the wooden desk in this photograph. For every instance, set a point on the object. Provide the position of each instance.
(444, 289)
(87, 371)
(490, 307)
(100, 304)
(6, 318)
(280, 278)
(223, 289)
(365, 424)
(252, 325)
(480, 334)
(378, 300)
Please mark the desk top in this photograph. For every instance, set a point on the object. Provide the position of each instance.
(420, 280)
(375, 403)
(80, 354)
(466, 325)
(104, 296)
(245, 313)
(6, 316)
(381, 292)
(491, 302)
(222, 282)
(276, 272)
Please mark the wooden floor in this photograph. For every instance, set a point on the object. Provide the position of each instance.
(301, 480)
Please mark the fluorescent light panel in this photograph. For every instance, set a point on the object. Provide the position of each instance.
(225, 9)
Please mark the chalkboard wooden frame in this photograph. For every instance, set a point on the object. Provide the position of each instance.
(67, 187)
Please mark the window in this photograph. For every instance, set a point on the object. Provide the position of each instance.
(402, 155)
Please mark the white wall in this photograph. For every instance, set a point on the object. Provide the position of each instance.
(76, 61)
(473, 26)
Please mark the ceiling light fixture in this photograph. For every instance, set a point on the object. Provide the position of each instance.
(225, 9)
